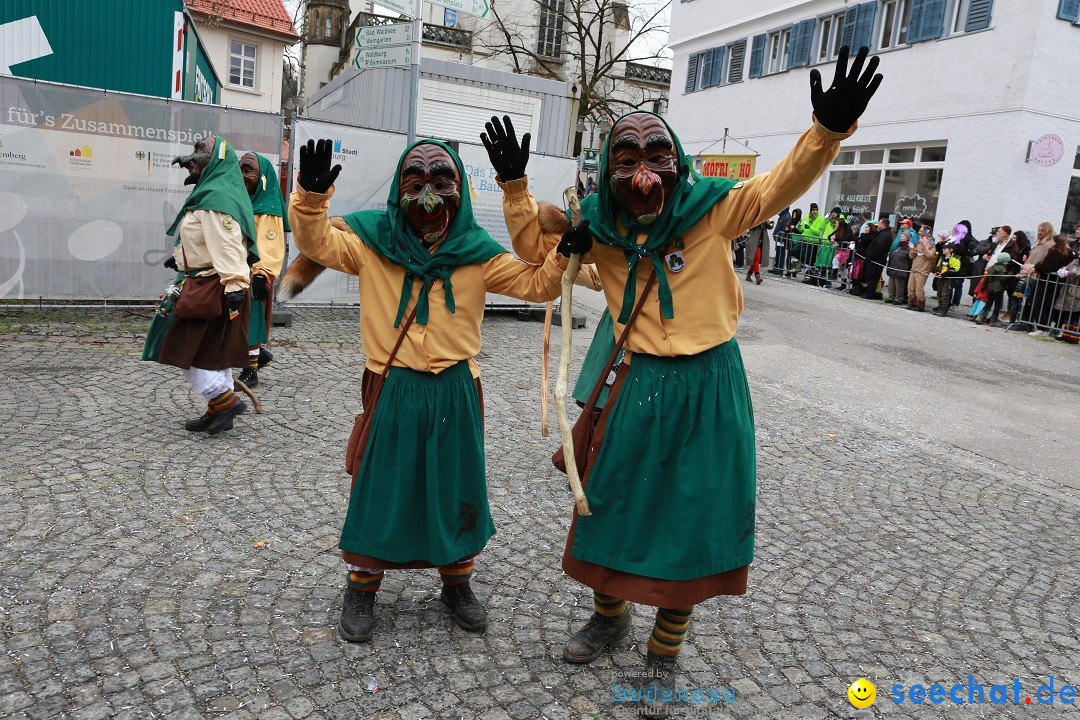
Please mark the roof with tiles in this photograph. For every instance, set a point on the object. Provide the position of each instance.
(266, 15)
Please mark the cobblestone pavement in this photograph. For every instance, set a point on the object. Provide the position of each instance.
(133, 583)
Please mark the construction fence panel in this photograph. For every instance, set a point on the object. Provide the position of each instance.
(87, 190)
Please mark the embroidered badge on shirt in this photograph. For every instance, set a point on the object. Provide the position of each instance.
(675, 261)
(227, 222)
(271, 235)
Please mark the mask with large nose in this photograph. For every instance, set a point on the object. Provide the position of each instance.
(430, 191)
(642, 167)
(197, 161)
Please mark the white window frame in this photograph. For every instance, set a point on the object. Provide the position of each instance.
(779, 40)
(958, 11)
(830, 36)
(243, 58)
(885, 166)
(901, 24)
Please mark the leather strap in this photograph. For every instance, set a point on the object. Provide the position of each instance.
(401, 339)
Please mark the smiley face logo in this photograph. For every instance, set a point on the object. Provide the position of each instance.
(862, 693)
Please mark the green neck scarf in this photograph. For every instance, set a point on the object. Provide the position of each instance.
(387, 233)
(683, 209)
(267, 198)
(221, 188)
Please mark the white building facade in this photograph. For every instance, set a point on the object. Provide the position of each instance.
(977, 118)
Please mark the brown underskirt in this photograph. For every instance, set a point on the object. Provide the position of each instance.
(215, 344)
(638, 588)
(370, 385)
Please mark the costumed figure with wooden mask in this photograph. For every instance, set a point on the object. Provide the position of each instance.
(201, 323)
(418, 496)
(670, 471)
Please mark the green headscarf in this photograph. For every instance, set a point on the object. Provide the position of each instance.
(683, 208)
(221, 188)
(267, 199)
(387, 233)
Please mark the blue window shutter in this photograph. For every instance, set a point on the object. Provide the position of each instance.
(848, 36)
(735, 66)
(864, 25)
(802, 34)
(716, 76)
(978, 17)
(692, 73)
(757, 56)
(706, 68)
(927, 20)
(1069, 10)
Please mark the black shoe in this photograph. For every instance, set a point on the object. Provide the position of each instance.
(199, 424)
(467, 610)
(588, 642)
(357, 615)
(249, 377)
(224, 419)
(659, 684)
(265, 356)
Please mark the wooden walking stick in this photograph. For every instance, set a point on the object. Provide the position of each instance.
(548, 312)
(572, 267)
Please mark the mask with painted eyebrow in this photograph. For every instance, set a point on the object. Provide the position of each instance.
(430, 191)
(642, 167)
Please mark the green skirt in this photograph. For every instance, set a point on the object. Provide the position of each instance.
(594, 366)
(421, 490)
(673, 487)
(160, 324)
(257, 330)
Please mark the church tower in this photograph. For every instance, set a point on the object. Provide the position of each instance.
(325, 22)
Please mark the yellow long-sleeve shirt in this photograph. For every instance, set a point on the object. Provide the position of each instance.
(707, 295)
(270, 240)
(212, 239)
(447, 338)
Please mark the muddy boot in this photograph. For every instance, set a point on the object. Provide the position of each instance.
(757, 278)
(467, 610)
(357, 615)
(657, 690)
(588, 642)
(748, 275)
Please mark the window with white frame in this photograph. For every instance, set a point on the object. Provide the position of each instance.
(830, 34)
(778, 49)
(241, 64)
(895, 19)
(959, 16)
(551, 28)
(876, 183)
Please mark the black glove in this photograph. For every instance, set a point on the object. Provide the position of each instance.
(234, 301)
(846, 99)
(316, 175)
(575, 240)
(507, 157)
(258, 287)
(171, 264)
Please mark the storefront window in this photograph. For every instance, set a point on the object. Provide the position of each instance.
(855, 191)
(871, 157)
(1072, 207)
(845, 157)
(902, 155)
(912, 194)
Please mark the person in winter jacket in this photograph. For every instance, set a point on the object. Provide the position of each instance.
(757, 249)
(1067, 306)
(875, 254)
(997, 280)
(898, 271)
(923, 261)
(778, 234)
(948, 268)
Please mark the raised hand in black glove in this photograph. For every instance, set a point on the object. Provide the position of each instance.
(170, 263)
(507, 157)
(316, 175)
(575, 240)
(846, 99)
(258, 287)
(234, 301)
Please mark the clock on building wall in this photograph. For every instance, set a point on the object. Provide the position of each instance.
(1047, 150)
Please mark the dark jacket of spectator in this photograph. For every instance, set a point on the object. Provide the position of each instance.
(899, 262)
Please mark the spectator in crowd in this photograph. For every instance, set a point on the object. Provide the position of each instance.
(1035, 309)
(840, 239)
(875, 256)
(1067, 307)
(923, 261)
(780, 230)
(1047, 286)
(805, 224)
(757, 249)
(948, 268)
(996, 283)
(899, 271)
(858, 259)
(857, 227)
(590, 187)
(982, 250)
(1075, 244)
(907, 230)
(785, 236)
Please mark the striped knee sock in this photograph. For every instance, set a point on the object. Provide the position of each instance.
(669, 631)
(457, 573)
(607, 605)
(365, 581)
(223, 401)
(253, 357)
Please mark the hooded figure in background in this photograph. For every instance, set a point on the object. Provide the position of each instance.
(270, 228)
(416, 456)
(673, 510)
(201, 323)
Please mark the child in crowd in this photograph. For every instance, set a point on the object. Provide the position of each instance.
(997, 281)
(948, 267)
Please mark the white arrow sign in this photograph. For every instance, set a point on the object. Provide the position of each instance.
(383, 35)
(396, 56)
(479, 8)
(404, 7)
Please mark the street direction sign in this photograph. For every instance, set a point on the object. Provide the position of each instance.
(384, 35)
(404, 7)
(479, 8)
(383, 57)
